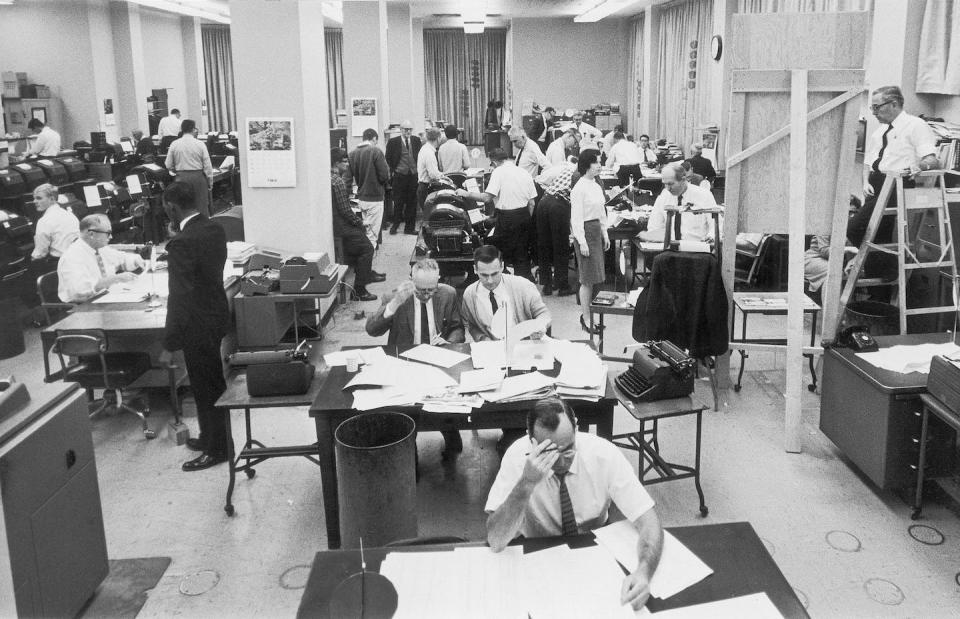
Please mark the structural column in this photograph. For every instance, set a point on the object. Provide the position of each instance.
(279, 60)
(366, 69)
(195, 79)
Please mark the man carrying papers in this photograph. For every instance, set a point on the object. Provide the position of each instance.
(421, 311)
(562, 482)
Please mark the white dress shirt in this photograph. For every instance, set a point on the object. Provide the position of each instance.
(586, 204)
(651, 156)
(511, 187)
(909, 141)
(599, 475)
(530, 159)
(169, 125)
(56, 230)
(454, 156)
(188, 153)
(623, 153)
(556, 153)
(486, 307)
(693, 226)
(79, 272)
(589, 134)
(46, 144)
(428, 168)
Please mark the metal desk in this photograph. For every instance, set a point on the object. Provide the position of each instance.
(950, 418)
(619, 308)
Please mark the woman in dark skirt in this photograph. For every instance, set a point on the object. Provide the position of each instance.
(588, 224)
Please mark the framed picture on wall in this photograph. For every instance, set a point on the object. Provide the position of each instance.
(40, 113)
(363, 115)
(271, 161)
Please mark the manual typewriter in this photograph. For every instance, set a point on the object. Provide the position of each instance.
(660, 371)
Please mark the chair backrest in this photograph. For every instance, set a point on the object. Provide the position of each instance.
(458, 178)
(47, 286)
(80, 342)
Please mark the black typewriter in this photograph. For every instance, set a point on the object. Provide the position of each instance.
(660, 371)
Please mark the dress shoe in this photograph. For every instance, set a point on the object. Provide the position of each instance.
(363, 295)
(204, 461)
(194, 444)
(378, 277)
(565, 291)
(547, 290)
(596, 328)
(393, 229)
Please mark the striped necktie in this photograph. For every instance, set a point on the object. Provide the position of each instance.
(103, 268)
(569, 520)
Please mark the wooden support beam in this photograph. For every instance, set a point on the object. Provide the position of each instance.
(744, 80)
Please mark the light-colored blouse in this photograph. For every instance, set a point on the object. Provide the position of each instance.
(586, 203)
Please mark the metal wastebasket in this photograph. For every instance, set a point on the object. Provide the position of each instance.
(879, 318)
(376, 478)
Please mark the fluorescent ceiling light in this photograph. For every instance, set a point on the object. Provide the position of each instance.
(333, 11)
(602, 9)
(473, 27)
(195, 8)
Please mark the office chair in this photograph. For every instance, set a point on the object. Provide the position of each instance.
(458, 178)
(749, 259)
(51, 305)
(93, 367)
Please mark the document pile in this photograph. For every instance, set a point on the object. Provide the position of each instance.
(364, 356)
(239, 252)
(582, 374)
(530, 386)
(907, 359)
(143, 287)
(395, 382)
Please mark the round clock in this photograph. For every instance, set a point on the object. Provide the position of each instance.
(716, 46)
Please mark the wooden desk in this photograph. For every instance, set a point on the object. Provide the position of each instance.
(333, 405)
(740, 562)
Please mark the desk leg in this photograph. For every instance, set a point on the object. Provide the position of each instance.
(231, 463)
(743, 353)
(328, 477)
(918, 500)
(696, 468)
(813, 342)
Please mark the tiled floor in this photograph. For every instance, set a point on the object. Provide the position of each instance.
(843, 545)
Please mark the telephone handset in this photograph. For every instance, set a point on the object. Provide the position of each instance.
(857, 338)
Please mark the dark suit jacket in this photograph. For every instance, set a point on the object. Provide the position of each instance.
(446, 317)
(195, 260)
(395, 150)
(702, 166)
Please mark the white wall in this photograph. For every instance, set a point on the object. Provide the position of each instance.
(565, 64)
(163, 57)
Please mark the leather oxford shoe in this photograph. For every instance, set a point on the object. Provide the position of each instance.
(204, 461)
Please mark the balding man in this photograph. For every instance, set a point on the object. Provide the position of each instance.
(527, 155)
(677, 192)
(88, 267)
(402, 152)
(700, 164)
(428, 166)
(189, 160)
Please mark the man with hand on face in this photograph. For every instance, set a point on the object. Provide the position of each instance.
(421, 311)
(88, 266)
(677, 192)
(561, 482)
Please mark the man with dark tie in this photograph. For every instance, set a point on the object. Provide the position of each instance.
(421, 311)
(557, 481)
(678, 192)
(402, 152)
(88, 266)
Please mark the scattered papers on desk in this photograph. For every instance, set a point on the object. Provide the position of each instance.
(585, 582)
(564, 350)
(434, 355)
(755, 606)
(415, 377)
(451, 402)
(633, 296)
(524, 386)
(592, 393)
(367, 355)
(370, 399)
(678, 569)
(488, 379)
(906, 359)
(137, 290)
(523, 355)
(581, 372)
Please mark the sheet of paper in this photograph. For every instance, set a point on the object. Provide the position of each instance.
(488, 354)
(381, 397)
(907, 359)
(582, 372)
(755, 606)
(145, 285)
(416, 379)
(133, 184)
(633, 296)
(91, 195)
(435, 355)
(366, 355)
(589, 572)
(476, 215)
(514, 386)
(678, 569)
(472, 381)
(472, 185)
(523, 330)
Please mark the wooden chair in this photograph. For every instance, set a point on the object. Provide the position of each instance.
(51, 305)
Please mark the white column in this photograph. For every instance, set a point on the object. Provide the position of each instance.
(193, 68)
(365, 64)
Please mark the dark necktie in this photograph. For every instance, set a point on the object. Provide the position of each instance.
(676, 219)
(100, 265)
(406, 144)
(424, 324)
(645, 160)
(493, 302)
(568, 519)
(519, 154)
(883, 147)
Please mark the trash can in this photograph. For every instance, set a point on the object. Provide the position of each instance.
(11, 332)
(879, 318)
(376, 478)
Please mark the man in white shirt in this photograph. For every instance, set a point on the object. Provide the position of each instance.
(624, 159)
(648, 153)
(56, 229)
(678, 192)
(452, 154)
(189, 161)
(169, 127)
(557, 481)
(591, 136)
(47, 143)
(608, 139)
(88, 266)
(428, 167)
(527, 155)
(558, 149)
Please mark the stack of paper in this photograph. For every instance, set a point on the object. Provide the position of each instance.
(365, 355)
(907, 359)
(525, 355)
(397, 382)
(434, 355)
(589, 577)
(591, 386)
(523, 387)
(239, 252)
(473, 381)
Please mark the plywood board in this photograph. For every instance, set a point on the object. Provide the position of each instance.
(798, 40)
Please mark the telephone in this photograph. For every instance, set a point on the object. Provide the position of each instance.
(857, 338)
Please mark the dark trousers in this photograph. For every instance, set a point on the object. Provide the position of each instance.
(201, 189)
(513, 237)
(201, 351)
(553, 237)
(405, 201)
(358, 253)
(624, 173)
(423, 190)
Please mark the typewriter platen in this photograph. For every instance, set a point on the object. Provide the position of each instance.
(660, 371)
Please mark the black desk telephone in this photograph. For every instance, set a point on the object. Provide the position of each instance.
(857, 338)
(660, 371)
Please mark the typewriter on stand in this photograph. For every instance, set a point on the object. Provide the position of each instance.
(660, 371)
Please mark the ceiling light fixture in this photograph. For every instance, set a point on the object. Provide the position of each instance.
(333, 11)
(473, 27)
(601, 10)
(189, 9)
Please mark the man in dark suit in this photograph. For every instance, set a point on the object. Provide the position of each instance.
(421, 311)
(401, 156)
(197, 317)
(700, 164)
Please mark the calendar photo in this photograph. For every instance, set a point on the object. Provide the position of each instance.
(271, 159)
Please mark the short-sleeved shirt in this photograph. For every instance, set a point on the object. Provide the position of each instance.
(530, 158)
(47, 143)
(512, 187)
(56, 230)
(79, 270)
(909, 141)
(693, 226)
(599, 475)
(453, 156)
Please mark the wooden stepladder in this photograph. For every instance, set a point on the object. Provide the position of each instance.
(923, 241)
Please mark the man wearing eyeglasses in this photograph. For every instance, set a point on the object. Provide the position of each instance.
(557, 481)
(88, 266)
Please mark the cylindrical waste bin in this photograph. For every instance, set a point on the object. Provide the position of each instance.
(376, 478)
(879, 318)
(11, 333)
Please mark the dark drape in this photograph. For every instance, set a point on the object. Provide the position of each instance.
(462, 73)
(333, 37)
(218, 70)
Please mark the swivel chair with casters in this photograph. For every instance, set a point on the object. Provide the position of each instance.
(93, 367)
(50, 304)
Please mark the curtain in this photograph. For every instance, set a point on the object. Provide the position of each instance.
(462, 73)
(684, 72)
(336, 95)
(636, 80)
(938, 63)
(802, 6)
(218, 71)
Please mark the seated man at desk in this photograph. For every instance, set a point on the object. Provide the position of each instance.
(421, 311)
(89, 266)
(678, 192)
(558, 481)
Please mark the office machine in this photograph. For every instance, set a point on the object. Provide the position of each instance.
(12, 188)
(152, 172)
(56, 172)
(660, 371)
(33, 175)
(76, 169)
(449, 229)
(260, 357)
(308, 275)
(260, 281)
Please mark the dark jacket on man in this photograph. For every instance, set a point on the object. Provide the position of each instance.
(369, 170)
(395, 152)
(702, 166)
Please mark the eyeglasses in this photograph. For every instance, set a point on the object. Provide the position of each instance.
(107, 232)
(876, 108)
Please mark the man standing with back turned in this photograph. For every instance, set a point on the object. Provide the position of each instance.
(369, 170)
(197, 317)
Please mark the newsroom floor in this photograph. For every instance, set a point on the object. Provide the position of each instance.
(843, 545)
